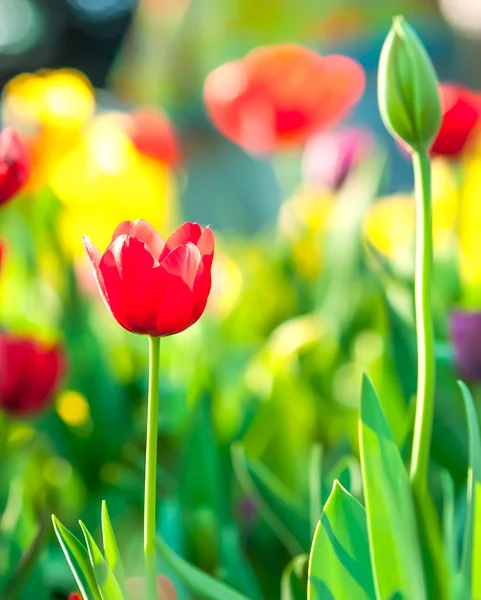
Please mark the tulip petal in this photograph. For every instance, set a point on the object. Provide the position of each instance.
(107, 277)
(201, 289)
(187, 232)
(141, 230)
(206, 243)
(184, 262)
(136, 268)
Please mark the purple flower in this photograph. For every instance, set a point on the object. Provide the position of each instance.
(466, 336)
(330, 156)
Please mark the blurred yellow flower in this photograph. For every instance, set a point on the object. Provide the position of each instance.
(391, 222)
(73, 408)
(50, 110)
(303, 219)
(226, 285)
(104, 181)
(470, 218)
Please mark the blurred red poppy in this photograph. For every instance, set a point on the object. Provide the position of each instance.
(152, 286)
(14, 168)
(29, 374)
(278, 96)
(153, 134)
(74, 596)
(461, 114)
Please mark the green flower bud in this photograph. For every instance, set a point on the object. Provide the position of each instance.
(408, 93)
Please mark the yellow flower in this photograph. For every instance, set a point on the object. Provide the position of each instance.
(391, 223)
(50, 109)
(303, 220)
(104, 181)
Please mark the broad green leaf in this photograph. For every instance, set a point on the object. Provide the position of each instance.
(315, 485)
(339, 565)
(111, 550)
(278, 509)
(294, 579)
(391, 521)
(471, 557)
(196, 580)
(76, 554)
(108, 587)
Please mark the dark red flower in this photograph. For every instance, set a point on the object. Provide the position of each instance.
(461, 113)
(152, 286)
(29, 374)
(152, 133)
(75, 596)
(13, 165)
(278, 96)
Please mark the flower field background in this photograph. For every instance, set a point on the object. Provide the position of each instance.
(255, 122)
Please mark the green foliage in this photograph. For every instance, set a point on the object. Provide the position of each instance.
(339, 564)
(391, 521)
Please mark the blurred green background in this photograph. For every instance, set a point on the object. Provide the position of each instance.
(312, 285)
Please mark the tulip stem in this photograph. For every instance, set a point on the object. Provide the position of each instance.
(423, 423)
(151, 471)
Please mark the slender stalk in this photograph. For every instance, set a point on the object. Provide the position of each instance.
(424, 326)
(151, 471)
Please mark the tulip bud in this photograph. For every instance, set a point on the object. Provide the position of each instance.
(408, 88)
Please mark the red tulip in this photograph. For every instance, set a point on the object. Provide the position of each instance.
(150, 286)
(278, 96)
(29, 373)
(152, 134)
(13, 165)
(461, 114)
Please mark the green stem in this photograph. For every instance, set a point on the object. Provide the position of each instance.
(424, 326)
(151, 471)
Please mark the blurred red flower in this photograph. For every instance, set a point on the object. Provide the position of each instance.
(152, 286)
(29, 374)
(14, 167)
(152, 134)
(461, 114)
(278, 96)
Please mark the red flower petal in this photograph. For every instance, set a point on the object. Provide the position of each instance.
(461, 115)
(206, 244)
(135, 267)
(184, 262)
(107, 277)
(14, 168)
(153, 134)
(141, 230)
(187, 232)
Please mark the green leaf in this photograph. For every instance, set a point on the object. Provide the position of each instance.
(391, 520)
(76, 554)
(107, 584)
(276, 506)
(195, 579)
(471, 556)
(294, 579)
(111, 550)
(339, 565)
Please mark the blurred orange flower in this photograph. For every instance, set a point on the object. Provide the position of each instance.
(152, 134)
(278, 96)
